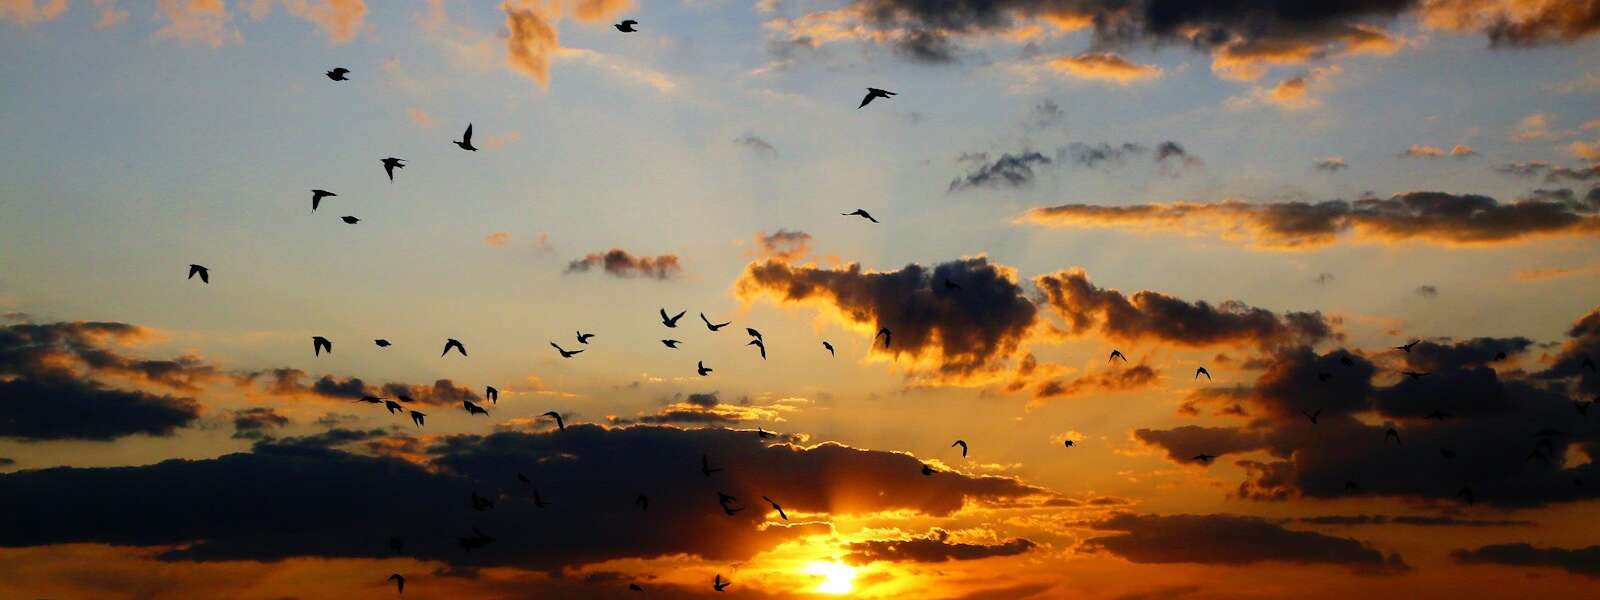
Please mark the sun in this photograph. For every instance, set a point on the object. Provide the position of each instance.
(836, 578)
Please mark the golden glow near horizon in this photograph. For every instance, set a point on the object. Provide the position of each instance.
(837, 578)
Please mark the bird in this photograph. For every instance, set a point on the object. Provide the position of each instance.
(1204, 458)
(705, 466)
(564, 352)
(635, 587)
(478, 540)
(1447, 453)
(859, 213)
(1413, 374)
(338, 74)
(963, 445)
(825, 344)
(538, 501)
(762, 433)
(1537, 454)
(718, 584)
(723, 500)
(523, 478)
(473, 409)
(399, 583)
(885, 333)
(757, 343)
(670, 343)
(671, 321)
(701, 368)
(927, 470)
(370, 400)
(560, 425)
(1116, 354)
(753, 333)
(1324, 376)
(583, 338)
(1351, 485)
(643, 501)
(1582, 407)
(394, 407)
(317, 196)
(204, 273)
(1312, 415)
(453, 343)
(416, 417)
(1347, 361)
(776, 508)
(1588, 363)
(713, 326)
(626, 26)
(491, 393)
(1202, 371)
(349, 220)
(319, 343)
(951, 285)
(873, 94)
(392, 163)
(403, 398)
(1068, 443)
(465, 143)
(480, 503)
(1500, 356)
(1437, 415)
(397, 545)
(1392, 433)
(381, 343)
(1407, 347)
(1465, 494)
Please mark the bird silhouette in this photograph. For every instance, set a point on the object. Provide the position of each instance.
(523, 478)
(859, 213)
(1588, 363)
(381, 343)
(473, 409)
(477, 540)
(560, 425)
(1407, 347)
(349, 220)
(1465, 494)
(643, 501)
(416, 417)
(671, 321)
(319, 343)
(825, 344)
(1204, 458)
(1499, 356)
(1392, 433)
(399, 583)
(963, 445)
(480, 503)
(397, 545)
(951, 285)
(204, 273)
(1351, 485)
(491, 393)
(1202, 371)
(1324, 376)
(1413, 374)
(317, 196)
(1582, 407)
(757, 343)
(338, 74)
(1437, 415)
(701, 368)
(724, 500)
(776, 508)
(1116, 354)
(538, 501)
(1312, 415)
(583, 338)
(394, 407)
(465, 143)
(718, 584)
(626, 26)
(392, 163)
(927, 470)
(1068, 443)
(1347, 361)
(403, 398)
(670, 343)
(753, 333)
(705, 466)
(564, 352)
(370, 400)
(873, 94)
(635, 587)
(453, 343)
(885, 334)
(713, 326)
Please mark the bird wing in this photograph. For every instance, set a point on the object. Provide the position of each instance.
(467, 137)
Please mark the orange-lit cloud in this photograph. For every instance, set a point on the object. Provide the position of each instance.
(197, 21)
(783, 244)
(29, 12)
(621, 263)
(1426, 151)
(497, 239)
(1119, 380)
(1104, 66)
(531, 40)
(110, 14)
(341, 19)
(1585, 150)
(1515, 22)
(420, 117)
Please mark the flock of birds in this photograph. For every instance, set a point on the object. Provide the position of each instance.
(729, 504)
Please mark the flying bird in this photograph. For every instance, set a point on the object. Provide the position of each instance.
(1204, 458)
(560, 425)
(416, 417)
(397, 545)
(776, 508)
(317, 196)
(399, 583)
(1413, 374)
(713, 326)
(724, 500)
(1312, 415)
(1116, 354)
(338, 74)
(1202, 371)
(204, 273)
(753, 333)
(1351, 485)
(319, 343)
(825, 344)
(349, 220)
(927, 470)
(757, 343)
(762, 433)
(718, 584)
(465, 143)
(392, 163)
(860, 213)
(480, 503)
(1582, 407)
(523, 478)
(583, 338)
(453, 343)
(1500, 356)
(381, 343)
(670, 343)
(1068, 443)
(671, 321)
(635, 587)
(473, 409)
(1392, 433)
(701, 368)
(370, 400)
(951, 285)
(564, 352)
(394, 407)
(963, 445)
(478, 540)
(626, 26)
(885, 334)
(873, 94)
(705, 466)
(643, 502)
(1407, 347)
(1447, 453)
(538, 501)
(491, 393)
(1324, 376)
(1465, 494)
(1347, 361)
(1588, 363)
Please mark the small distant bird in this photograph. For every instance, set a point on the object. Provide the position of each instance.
(859, 213)
(473, 409)
(349, 220)
(671, 321)
(1582, 407)
(416, 417)
(643, 501)
(1202, 371)
(381, 343)
(762, 433)
(635, 587)
(753, 333)
(670, 343)
(1347, 361)
(538, 501)
(963, 445)
(319, 343)
(1407, 347)
(1392, 433)
(1312, 415)
(757, 343)
(1324, 376)
(491, 393)
(392, 163)
(1351, 485)
(397, 545)
(317, 196)
(1413, 374)
(1068, 443)
(1465, 494)
(1536, 454)
(399, 583)
(626, 26)
(724, 500)
(1588, 363)
(701, 368)
(564, 352)
(1116, 354)
(951, 285)
(713, 326)
(465, 143)
(394, 407)
(478, 540)
(204, 273)
(776, 508)
(885, 334)
(705, 466)
(927, 470)
(873, 94)
(583, 338)
(1499, 356)
(370, 400)
(338, 74)
(480, 503)
(523, 478)
(718, 584)
(560, 425)
(453, 343)
(403, 398)
(1204, 458)
(1437, 415)
(1447, 453)
(825, 344)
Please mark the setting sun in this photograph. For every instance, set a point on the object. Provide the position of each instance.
(836, 578)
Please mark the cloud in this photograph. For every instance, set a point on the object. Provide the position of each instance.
(110, 14)
(1435, 217)
(620, 263)
(1514, 23)
(1173, 151)
(1107, 381)
(497, 239)
(757, 145)
(1424, 151)
(1413, 520)
(934, 547)
(784, 245)
(1533, 128)
(1153, 315)
(1332, 164)
(1008, 171)
(1583, 343)
(959, 333)
(1427, 291)
(289, 383)
(341, 19)
(1047, 113)
(531, 40)
(420, 118)
(253, 423)
(708, 409)
(1233, 540)
(1552, 172)
(1580, 561)
(1585, 150)
(197, 21)
(1292, 93)
(1092, 155)
(1104, 66)
(30, 12)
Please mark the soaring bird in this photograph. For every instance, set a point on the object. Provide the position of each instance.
(1392, 433)
(397, 545)
(1347, 361)
(338, 74)
(394, 407)
(319, 343)
(392, 163)
(753, 333)
(1116, 354)
(370, 400)
(1312, 415)
(583, 338)
(670, 343)
(705, 466)
(349, 220)
(473, 409)
(713, 326)
(480, 503)
(381, 343)
(635, 587)
(523, 478)
(399, 583)
(491, 393)
(538, 501)
(762, 433)
(416, 417)
(465, 143)
(478, 540)
(951, 285)
(317, 196)
(757, 343)
(1582, 407)
(671, 321)
(1413, 374)
(204, 273)
(1351, 486)
(873, 94)
(1068, 443)
(1204, 458)
(1324, 376)
(718, 584)
(643, 501)
(626, 26)
(724, 500)
(885, 334)
(1407, 347)
(963, 445)
(453, 343)
(776, 507)
(560, 425)
(1202, 371)
(701, 368)
(927, 470)
(1588, 363)
(565, 353)
(1465, 494)
(860, 212)
(825, 344)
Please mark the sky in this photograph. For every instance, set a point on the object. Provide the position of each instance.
(1374, 225)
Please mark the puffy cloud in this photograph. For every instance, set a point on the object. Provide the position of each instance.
(784, 245)
(290, 383)
(1582, 561)
(253, 423)
(1104, 66)
(1332, 164)
(1585, 150)
(1582, 344)
(620, 263)
(1413, 520)
(1008, 171)
(29, 12)
(1132, 378)
(1091, 155)
(341, 19)
(1425, 151)
(198, 21)
(1232, 540)
(708, 409)
(1515, 22)
(420, 117)
(932, 548)
(497, 239)
(531, 40)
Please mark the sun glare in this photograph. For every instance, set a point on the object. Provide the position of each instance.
(836, 578)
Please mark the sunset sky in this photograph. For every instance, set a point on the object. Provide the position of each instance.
(1279, 192)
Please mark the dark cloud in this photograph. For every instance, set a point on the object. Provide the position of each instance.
(931, 548)
(1581, 561)
(1047, 113)
(6, 462)
(1174, 152)
(620, 263)
(1414, 520)
(1092, 155)
(1131, 378)
(290, 383)
(757, 145)
(1153, 315)
(1443, 355)
(1583, 344)
(1008, 171)
(1232, 540)
(1332, 164)
(253, 423)
(784, 244)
